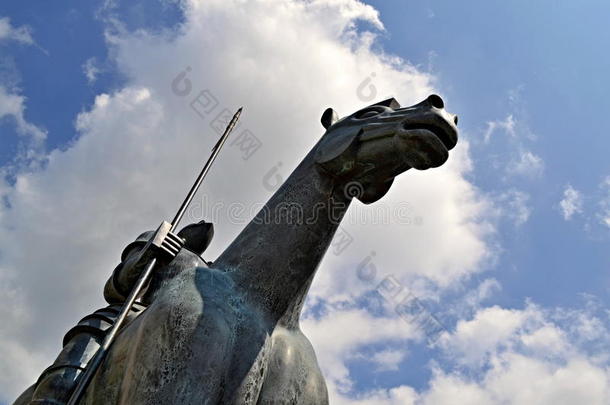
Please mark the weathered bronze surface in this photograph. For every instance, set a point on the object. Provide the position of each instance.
(228, 333)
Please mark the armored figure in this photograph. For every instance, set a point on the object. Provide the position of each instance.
(57, 382)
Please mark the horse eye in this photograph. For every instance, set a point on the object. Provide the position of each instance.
(368, 113)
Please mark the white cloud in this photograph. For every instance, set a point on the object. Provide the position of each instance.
(449, 389)
(545, 339)
(10, 33)
(91, 70)
(388, 360)
(604, 203)
(507, 125)
(521, 161)
(502, 356)
(571, 203)
(528, 356)
(139, 148)
(13, 105)
(516, 379)
(339, 335)
(513, 205)
(526, 164)
(485, 290)
(476, 339)
(29, 154)
(402, 395)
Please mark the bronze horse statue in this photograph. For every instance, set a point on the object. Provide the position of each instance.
(228, 332)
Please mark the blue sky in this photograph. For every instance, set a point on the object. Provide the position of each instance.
(528, 81)
(553, 60)
(52, 72)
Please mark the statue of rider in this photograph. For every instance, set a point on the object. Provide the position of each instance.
(57, 382)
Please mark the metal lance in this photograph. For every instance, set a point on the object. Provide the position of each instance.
(99, 356)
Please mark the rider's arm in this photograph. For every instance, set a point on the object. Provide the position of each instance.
(162, 245)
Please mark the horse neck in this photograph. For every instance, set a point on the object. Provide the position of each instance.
(277, 254)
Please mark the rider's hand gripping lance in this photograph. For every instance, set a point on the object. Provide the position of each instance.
(165, 241)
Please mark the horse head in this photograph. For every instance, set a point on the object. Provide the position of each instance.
(375, 144)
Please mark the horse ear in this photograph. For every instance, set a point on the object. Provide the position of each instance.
(329, 117)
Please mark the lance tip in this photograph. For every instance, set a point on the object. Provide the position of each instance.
(236, 115)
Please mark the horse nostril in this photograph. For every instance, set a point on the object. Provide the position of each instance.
(436, 101)
(455, 119)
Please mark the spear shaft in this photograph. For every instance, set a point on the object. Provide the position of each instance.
(94, 364)
(204, 171)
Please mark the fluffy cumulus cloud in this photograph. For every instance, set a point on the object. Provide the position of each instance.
(91, 70)
(500, 356)
(8, 32)
(494, 356)
(341, 332)
(572, 202)
(12, 106)
(388, 360)
(528, 356)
